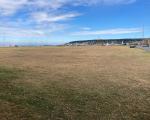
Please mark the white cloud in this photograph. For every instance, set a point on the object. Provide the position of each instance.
(85, 28)
(115, 2)
(38, 31)
(9, 7)
(109, 31)
(17, 32)
(45, 17)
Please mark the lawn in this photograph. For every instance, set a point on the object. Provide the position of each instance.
(74, 83)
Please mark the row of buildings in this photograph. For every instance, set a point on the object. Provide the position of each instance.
(107, 42)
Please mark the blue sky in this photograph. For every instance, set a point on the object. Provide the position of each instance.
(35, 22)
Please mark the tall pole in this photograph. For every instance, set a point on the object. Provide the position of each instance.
(143, 35)
(3, 41)
(145, 40)
(143, 32)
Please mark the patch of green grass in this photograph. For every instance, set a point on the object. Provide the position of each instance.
(20, 96)
(25, 97)
(8, 77)
(9, 73)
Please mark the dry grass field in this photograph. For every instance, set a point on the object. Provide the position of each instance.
(74, 83)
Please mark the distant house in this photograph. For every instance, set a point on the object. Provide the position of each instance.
(145, 43)
(149, 42)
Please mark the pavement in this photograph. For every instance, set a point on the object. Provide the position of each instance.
(144, 48)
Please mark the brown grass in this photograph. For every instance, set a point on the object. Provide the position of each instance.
(74, 83)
